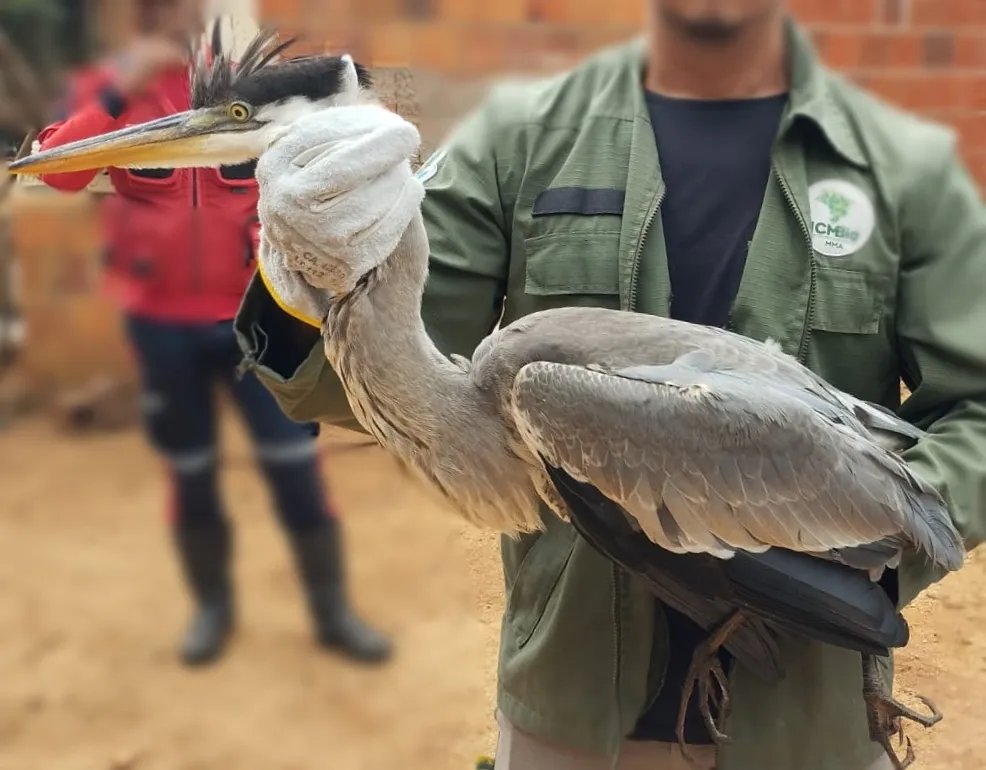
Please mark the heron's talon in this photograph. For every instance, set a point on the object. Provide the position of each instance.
(926, 721)
(724, 703)
(885, 717)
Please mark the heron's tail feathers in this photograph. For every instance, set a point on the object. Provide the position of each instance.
(819, 599)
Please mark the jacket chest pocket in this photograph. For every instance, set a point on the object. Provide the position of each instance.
(848, 301)
(574, 268)
(572, 249)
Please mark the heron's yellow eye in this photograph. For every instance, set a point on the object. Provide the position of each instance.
(239, 111)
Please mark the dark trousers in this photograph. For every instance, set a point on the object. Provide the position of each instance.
(181, 367)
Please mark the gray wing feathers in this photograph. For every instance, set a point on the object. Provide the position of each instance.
(885, 427)
(714, 461)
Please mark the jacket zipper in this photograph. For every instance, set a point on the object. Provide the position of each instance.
(635, 269)
(810, 308)
(617, 572)
(196, 235)
(617, 647)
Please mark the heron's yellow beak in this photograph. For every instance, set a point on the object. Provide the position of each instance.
(175, 141)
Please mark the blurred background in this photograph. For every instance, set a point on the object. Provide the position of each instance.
(90, 599)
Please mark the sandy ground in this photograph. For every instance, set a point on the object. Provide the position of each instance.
(90, 605)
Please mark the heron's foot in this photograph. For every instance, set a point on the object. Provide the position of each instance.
(885, 715)
(706, 675)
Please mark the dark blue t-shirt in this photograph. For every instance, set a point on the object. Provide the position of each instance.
(715, 160)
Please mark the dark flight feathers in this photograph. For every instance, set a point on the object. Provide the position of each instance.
(797, 592)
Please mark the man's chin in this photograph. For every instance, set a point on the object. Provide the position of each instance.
(707, 30)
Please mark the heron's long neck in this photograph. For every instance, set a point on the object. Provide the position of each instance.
(376, 341)
(417, 403)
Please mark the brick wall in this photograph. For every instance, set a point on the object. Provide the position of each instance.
(73, 332)
(925, 55)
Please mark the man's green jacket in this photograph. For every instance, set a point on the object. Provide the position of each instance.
(868, 264)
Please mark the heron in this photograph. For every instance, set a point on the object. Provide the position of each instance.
(746, 491)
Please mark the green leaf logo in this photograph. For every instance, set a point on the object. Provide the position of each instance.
(837, 204)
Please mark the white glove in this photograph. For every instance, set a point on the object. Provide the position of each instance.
(336, 195)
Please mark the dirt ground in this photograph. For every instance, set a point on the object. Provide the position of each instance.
(90, 606)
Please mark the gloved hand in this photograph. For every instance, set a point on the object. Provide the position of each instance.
(336, 195)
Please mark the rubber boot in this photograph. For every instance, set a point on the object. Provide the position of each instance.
(204, 551)
(318, 554)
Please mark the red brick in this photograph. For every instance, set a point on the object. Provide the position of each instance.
(851, 48)
(281, 11)
(929, 92)
(543, 47)
(390, 44)
(838, 11)
(437, 46)
(363, 11)
(419, 9)
(975, 161)
(599, 36)
(842, 50)
(485, 49)
(970, 50)
(891, 49)
(975, 91)
(610, 12)
(487, 11)
(938, 48)
(945, 13)
(895, 12)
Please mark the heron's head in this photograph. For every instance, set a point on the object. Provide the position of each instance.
(237, 111)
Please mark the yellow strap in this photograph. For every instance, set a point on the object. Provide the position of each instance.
(293, 312)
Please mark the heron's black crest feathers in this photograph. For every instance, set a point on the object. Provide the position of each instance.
(261, 77)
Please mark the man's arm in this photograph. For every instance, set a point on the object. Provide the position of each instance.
(942, 344)
(94, 107)
(468, 228)
(98, 100)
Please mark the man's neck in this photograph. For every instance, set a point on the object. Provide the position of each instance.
(750, 65)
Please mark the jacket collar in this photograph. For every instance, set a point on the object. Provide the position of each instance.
(812, 95)
(812, 98)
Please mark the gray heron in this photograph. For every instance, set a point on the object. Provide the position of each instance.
(747, 492)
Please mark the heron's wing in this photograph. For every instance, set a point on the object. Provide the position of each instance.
(717, 461)
(580, 335)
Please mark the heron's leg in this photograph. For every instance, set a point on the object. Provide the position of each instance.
(704, 671)
(884, 715)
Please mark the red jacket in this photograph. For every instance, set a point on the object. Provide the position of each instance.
(181, 243)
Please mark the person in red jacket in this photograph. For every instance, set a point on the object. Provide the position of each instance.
(181, 251)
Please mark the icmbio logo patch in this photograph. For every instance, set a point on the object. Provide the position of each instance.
(842, 217)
